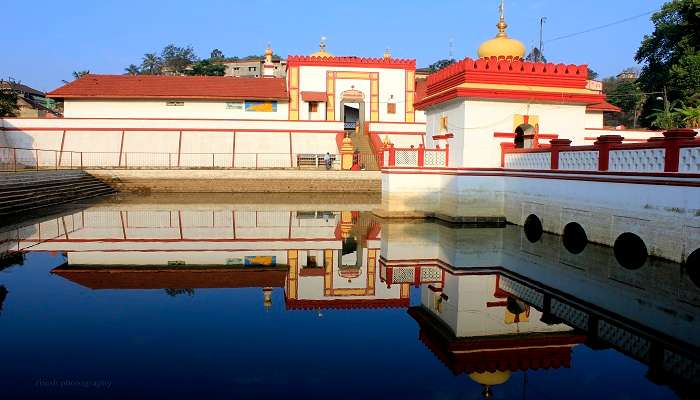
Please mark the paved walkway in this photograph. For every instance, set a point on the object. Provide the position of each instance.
(242, 181)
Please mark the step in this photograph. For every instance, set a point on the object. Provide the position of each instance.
(56, 190)
(51, 200)
(47, 184)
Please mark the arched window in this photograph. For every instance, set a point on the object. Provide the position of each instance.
(524, 136)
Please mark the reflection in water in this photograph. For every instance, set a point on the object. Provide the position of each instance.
(489, 303)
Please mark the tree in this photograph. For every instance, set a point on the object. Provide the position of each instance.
(664, 118)
(177, 59)
(217, 54)
(440, 64)
(206, 68)
(80, 74)
(535, 56)
(592, 75)
(688, 116)
(8, 99)
(151, 64)
(626, 94)
(133, 69)
(670, 56)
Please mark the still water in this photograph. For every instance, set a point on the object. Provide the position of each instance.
(170, 297)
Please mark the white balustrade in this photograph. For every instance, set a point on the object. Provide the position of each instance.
(540, 160)
(689, 160)
(578, 160)
(637, 160)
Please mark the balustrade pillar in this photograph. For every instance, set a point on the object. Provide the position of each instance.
(672, 141)
(421, 155)
(392, 155)
(603, 144)
(556, 146)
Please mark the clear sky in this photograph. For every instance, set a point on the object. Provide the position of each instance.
(44, 41)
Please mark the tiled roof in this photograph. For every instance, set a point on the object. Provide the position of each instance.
(603, 106)
(18, 87)
(172, 87)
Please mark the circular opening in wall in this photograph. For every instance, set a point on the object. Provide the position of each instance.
(630, 251)
(574, 238)
(533, 228)
(692, 265)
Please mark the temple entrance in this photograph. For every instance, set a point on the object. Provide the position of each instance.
(524, 136)
(352, 110)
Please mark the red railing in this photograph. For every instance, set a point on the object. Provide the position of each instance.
(23, 159)
(674, 152)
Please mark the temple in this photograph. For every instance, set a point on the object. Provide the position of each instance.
(466, 113)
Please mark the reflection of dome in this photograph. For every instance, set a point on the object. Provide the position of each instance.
(502, 46)
(488, 379)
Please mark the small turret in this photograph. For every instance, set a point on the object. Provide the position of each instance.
(268, 66)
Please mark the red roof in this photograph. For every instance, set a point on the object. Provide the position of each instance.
(602, 106)
(172, 87)
(173, 278)
(313, 96)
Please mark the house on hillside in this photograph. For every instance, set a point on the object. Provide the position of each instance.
(31, 103)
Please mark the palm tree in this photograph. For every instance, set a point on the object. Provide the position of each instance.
(80, 74)
(132, 69)
(151, 64)
(690, 116)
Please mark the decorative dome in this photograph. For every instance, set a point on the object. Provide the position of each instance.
(502, 46)
(322, 49)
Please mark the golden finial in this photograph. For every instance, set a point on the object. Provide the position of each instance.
(387, 53)
(322, 45)
(502, 20)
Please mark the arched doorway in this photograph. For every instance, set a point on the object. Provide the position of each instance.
(352, 110)
(524, 136)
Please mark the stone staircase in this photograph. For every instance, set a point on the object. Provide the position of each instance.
(25, 191)
(367, 156)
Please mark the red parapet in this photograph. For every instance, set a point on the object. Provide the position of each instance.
(508, 71)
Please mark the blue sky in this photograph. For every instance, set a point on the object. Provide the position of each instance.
(48, 40)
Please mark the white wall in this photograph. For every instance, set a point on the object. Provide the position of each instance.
(456, 121)
(392, 81)
(128, 108)
(594, 119)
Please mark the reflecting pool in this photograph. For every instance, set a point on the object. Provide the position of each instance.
(285, 297)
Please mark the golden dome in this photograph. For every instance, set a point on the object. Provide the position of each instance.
(502, 46)
(322, 49)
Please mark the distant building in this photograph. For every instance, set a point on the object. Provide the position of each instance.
(253, 67)
(628, 74)
(31, 103)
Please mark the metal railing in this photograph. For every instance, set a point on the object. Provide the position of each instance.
(22, 159)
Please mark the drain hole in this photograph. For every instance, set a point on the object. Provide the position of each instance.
(630, 251)
(533, 228)
(575, 239)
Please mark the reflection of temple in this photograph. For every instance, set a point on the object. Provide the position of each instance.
(496, 283)
(347, 278)
(476, 326)
(323, 259)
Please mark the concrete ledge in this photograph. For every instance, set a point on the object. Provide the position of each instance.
(452, 220)
(241, 181)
